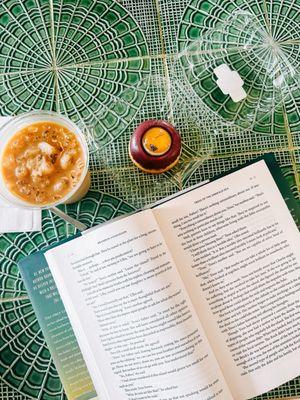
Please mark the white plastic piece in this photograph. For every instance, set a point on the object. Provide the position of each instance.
(278, 81)
(230, 82)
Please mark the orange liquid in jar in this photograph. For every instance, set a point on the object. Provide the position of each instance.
(42, 163)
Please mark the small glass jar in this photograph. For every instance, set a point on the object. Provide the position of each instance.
(14, 125)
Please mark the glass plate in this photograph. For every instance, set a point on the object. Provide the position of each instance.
(265, 60)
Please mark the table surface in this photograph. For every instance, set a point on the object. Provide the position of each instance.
(109, 65)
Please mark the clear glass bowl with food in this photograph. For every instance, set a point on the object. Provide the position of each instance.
(44, 161)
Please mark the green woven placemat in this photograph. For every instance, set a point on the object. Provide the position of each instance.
(109, 65)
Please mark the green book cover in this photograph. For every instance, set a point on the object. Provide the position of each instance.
(56, 326)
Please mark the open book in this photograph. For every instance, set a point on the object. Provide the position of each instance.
(195, 299)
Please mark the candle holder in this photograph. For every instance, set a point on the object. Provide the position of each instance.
(155, 146)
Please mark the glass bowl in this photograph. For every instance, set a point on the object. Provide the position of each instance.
(266, 66)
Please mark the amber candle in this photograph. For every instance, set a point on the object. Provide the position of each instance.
(157, 141)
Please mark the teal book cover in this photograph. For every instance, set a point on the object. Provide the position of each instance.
(56, 327)
(53, 318)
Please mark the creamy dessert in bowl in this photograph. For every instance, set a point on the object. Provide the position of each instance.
(43, 160)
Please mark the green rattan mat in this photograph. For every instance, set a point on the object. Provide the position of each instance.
(109, 65)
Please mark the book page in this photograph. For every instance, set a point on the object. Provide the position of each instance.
(136, 327)
(237, 249)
